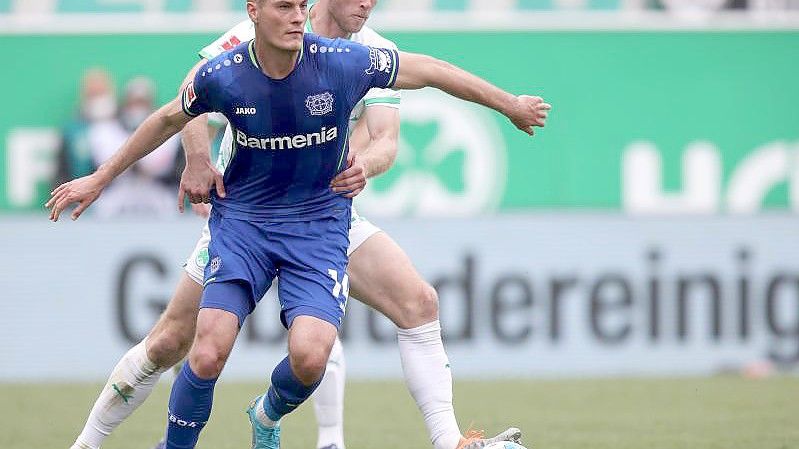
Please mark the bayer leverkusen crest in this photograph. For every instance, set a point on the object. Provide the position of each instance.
(320, 104)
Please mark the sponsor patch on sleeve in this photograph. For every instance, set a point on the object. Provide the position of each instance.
(189, 97)
(380, 60)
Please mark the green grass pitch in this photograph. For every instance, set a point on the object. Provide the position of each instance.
(709, 413)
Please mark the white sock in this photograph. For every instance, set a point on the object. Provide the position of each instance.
(260, 413)
(134, 377)
(328, 400)
(428, 377)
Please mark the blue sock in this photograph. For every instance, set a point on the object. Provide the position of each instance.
(189, 408)
(286, 392)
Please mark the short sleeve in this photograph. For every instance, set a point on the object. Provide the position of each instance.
(368, 67)
(242, 32)
(379, 96)
(382, 97)
(197, 93)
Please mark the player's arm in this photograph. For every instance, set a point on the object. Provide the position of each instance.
(417, 71)
(200, 175)
(372, 150)
(159, 126)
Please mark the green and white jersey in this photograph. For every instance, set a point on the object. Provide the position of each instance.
(245, 31)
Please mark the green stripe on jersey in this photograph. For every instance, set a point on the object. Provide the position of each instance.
(251, 51)
(341, 156)
(381, 100)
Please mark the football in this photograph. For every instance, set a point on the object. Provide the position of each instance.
(504, 445)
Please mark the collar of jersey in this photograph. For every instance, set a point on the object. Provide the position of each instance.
(254, 60)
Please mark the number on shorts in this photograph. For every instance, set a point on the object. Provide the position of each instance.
(340, 287)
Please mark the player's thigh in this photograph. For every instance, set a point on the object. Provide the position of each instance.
(216, 333)
(179, 318)
(180, 315)
(313, 268)
(217, 328)
(382, 276)
(240, 267)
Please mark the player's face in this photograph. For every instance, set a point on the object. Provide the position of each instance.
(279, 22)
(351, 15)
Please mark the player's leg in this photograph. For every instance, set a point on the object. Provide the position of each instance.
(193, 390)
(398, 291)
(313, 290)
(328, 398)
(135, 375)
(140, 368)
(171, 337)
(294, 379)
(328, 401)
(238, 272)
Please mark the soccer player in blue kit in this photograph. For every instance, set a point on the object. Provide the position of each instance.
(288, 97)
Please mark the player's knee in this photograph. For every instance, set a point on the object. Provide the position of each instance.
(421, 307)
(428, 303)
(207, 362)
(309, 363)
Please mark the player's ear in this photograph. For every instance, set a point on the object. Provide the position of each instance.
(252, 10)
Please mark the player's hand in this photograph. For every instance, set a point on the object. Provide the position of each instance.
(352, 180)
(83, 191)
(528, 112)
(197, 181)
(201, 209)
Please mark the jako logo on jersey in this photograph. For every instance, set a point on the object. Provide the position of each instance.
(379, 60)
(288, 142)
(245, 111)
(189, 96)
(320, 104)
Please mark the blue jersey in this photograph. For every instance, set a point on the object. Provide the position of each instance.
(290, 134)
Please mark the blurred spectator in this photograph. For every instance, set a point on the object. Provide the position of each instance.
(149, 187)
(97, 103)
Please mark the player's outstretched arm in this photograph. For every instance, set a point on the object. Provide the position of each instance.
(372, 150)
(159, 126)
(200, 175)
(417, 71)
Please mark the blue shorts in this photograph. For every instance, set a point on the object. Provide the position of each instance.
(308, 257)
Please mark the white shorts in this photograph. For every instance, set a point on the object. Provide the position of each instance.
(360, 230)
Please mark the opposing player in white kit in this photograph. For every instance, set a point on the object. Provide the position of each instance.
(394, 288)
